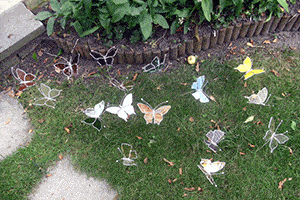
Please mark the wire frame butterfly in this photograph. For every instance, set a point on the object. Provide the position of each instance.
(247, 68)
(155, 114)
(25, 79)
(129, 155)
(261, 98)
(94, 115)
(48, 96)
(124, 110)
(272, 138)
(107, 59)
(210, 169)
(125, 86)
(155, 65)
(200, 94)
(214, 137)
(68, 68)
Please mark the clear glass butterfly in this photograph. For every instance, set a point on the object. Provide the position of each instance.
(155, 65)
(210, 169)
(200, 94)
(48, 96)
(124, 110)
(107, 59)
(125, 86)
(94, 115)
(274, 138)
(214, 137)
(129, 155)
(155, 114)
(25, 79)
(261, 98)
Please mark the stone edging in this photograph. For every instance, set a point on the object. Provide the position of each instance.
(188, 47)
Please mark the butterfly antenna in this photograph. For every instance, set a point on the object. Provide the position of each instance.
(268, 99)
(278, 126)
(13, 73)
(262, 146)
(74, 46)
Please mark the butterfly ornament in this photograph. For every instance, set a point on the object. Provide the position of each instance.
(107, 59)
(94, 114)
(272, 138)
(25, 79)
(155, 65)
(247, 68)
(129, 155)
(48, 96)
(155, 114)
(210, 169)
(214, 137)
(261, 98)
(68, 68)
(200, 94)
(124, 86)
(124, 109)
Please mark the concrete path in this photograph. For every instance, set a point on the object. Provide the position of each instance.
(18, 27)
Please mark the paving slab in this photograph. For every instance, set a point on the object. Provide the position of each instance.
(17, 28)
(66, 183)
(14, 126)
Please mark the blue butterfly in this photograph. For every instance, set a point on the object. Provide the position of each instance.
(199, 94)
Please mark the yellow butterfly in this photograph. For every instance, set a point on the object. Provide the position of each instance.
(247, 67)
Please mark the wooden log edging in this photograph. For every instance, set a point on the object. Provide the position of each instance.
(190, 46)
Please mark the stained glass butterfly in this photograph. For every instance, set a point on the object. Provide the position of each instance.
(214, 137)
(274, 138)
(124, 86)
(129, 155)
(155, 65)
(49, 95)
(107, 59)
(209, 169)
(261, 98)
(94, 115)
(247, 68)
(25, 79)
(124, 110)
(155, 114)
(200, 94)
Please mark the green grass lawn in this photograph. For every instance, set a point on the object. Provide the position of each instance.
(250, 173)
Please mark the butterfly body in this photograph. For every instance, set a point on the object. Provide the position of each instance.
(94, 115)
(261, 98)
(200, 94)
(247, 68)
(151, 114)
(25, 79)
(274, 138)
(214, 138)
(107, 59)
(129, 155)
(209, 169)
(48, 96)
(123, 110)
(155, 65)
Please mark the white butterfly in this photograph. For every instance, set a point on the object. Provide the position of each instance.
(274, 138)
(261, 98)
(209, 169)
(200, 94)
(123, 110)
(94, 115)
(214, 138)
(49, 95)
(128, 154)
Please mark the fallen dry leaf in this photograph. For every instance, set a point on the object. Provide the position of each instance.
(242, 153)
(275, 72)
(200, 189)
(245, 84)
(244, 109)
(291, 151)
(249, 119)
(57, 70)
(60, 157)
(11, 93)
(190, 189)
(191, 119)
(139, 137)
(169, 181)
(46, 60)
(185, 195)
(92, 73)
(48, 175)
(169, 162)
(197, 67)
(178, 129)
(275, 40)
(67, 129)
(282, 9)
(30, 130)
(280, 185)
(183, 84)
(146, 160)
(266, 42)
(41, 120)
(7, 121)
(212, 98)
(40, 53)
(249, 44)
(119, 72)
(283, 94)
(259, 123)
(289, 179)
(134, 77)
(174, 180)
(293, 48)
(180, 171)
(251, 145)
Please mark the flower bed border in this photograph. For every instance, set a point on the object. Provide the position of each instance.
(191, 46)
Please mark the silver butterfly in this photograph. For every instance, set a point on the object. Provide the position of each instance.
(274, 138)
(214, 137)
(261, 98)
(49, 95)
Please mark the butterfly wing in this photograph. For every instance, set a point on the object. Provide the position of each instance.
(263, 94)
(126, 105)
(109, 57)
(44, 90)
(252, 73)
(152, 67)
(281, 138)
(206, 173)
(158, 114)
(99, 108)
(254, 99)
(96, 55)
(95, 122)
(75, 59)
(246, 66)
(148, 112)
(40, 102)
(199, 84)
(54, 93)
(199, 94)
(20, 75)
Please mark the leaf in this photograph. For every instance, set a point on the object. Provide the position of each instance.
(68, 130)
(251, 145)
(55, 6)
(90, 31)
(146, 160)
(120, 1)
(77, 27)
(180, 171)
(146, 25)
(50, 25)
(242, 153)
(8, 121)
(249, 44)
(191, 119)
(159, 19)
(48, 175)
(266, 42)
(274, 72)
(293, 125)
(207, 7)
(43, 15)
(60, 157)
(169, 162)
(284, 4)
(249, 119)
(280, 185)
(34, 56)
(139, 137)
(40, 53)
(190, 189)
